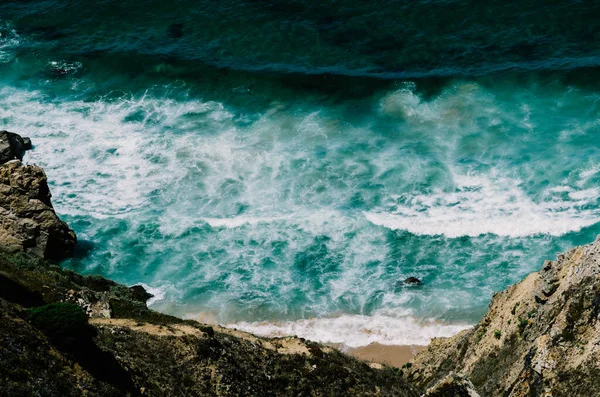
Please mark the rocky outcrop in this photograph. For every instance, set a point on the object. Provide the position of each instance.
(28, 222)
(452, 386)
(134, 351)
(12, 146)
(63, 334)
(540, 337)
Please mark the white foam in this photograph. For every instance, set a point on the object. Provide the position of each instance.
(9, 41)
(103, 163)
(156, 170)
(588, 173)
(238, 221)
(489, 205)
(585, 195)
(356, 330)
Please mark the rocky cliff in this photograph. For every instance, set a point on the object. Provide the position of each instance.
(540, 337)
(28, 222)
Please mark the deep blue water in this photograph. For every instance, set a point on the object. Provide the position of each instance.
(282, 165)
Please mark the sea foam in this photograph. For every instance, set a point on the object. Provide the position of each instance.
(489, 204)
(9, 41)
(356, 330)
(285, 212)
(239, 221)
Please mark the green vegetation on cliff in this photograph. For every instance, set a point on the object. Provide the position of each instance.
(49, 348)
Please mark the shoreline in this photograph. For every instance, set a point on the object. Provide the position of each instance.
(393, 355)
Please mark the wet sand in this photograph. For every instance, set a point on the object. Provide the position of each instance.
(384, 354)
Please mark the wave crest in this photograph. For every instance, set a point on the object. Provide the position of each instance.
(491, 205)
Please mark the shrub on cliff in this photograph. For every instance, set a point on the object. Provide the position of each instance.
(63, 323)
(66, 325)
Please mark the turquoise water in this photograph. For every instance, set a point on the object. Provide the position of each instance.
(281, 166)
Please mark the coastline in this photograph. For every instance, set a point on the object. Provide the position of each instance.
(538, 336)
(390, 354)
(296, 198)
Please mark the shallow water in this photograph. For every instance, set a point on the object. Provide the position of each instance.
(281, 166)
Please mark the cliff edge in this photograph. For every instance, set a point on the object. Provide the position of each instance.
(28, 222)
(540, 337)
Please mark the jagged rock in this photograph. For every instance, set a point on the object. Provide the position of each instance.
(138, 292)
(407, 282)
(28, 221)
(12, 146)
(452, 386)
(412, 281)
(540, 337)
(95, 304)
(27, 143)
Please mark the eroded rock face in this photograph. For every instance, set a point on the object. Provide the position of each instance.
(452, 386)
(27, 220)
(540, 337)
(95, 304)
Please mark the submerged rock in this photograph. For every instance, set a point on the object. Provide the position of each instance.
(411, 281)
(60, 69)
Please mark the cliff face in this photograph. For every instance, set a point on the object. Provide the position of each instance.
(540, 337)
(28, 222)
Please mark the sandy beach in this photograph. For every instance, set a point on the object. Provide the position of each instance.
(385, 354)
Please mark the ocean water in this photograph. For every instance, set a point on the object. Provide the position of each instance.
(281, 166)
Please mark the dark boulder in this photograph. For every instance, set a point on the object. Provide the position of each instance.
(12, 146)
(139, 293)
(411, 281)
(27, 143)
